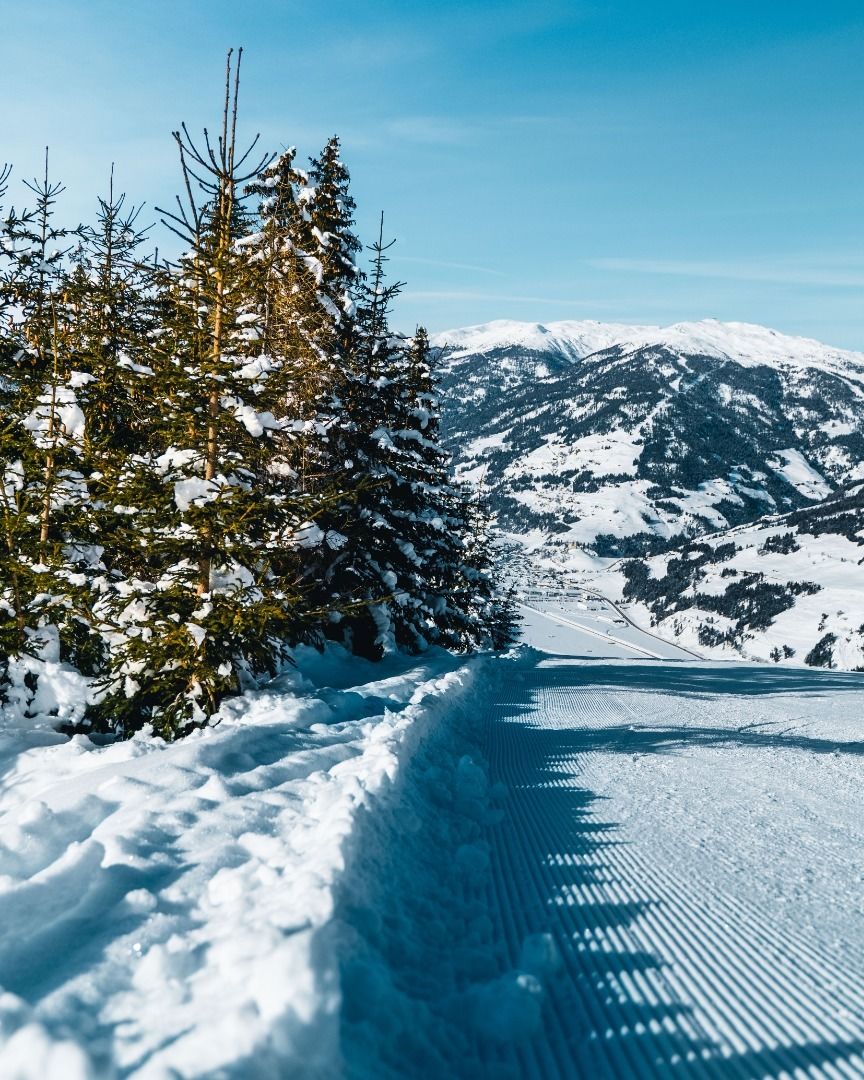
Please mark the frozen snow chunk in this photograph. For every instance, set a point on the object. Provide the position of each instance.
(256, 423)
(539, 955)
(57, 413)
(172, 961)
(308, 535)
(80, 378)
(471, 782)
(173, 458)
(226, 886)
(140, 902)
(194, 490)
(508, 1009)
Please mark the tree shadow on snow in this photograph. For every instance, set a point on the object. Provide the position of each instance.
(607, 1010)
(610, 1010)
(694, 678)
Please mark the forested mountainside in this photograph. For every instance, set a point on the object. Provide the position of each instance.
(787, 587)
(707, 474)
(619, 439)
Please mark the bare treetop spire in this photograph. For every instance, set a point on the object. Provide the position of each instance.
(215, 171)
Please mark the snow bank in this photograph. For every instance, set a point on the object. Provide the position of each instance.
(433, 983)
(168, 910)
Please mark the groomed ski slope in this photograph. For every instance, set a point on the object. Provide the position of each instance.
(595, 857)
(665, 878)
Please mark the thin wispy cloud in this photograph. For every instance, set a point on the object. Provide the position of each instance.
(434, 130)
(445, 265)
(792, 272)
(503, 298)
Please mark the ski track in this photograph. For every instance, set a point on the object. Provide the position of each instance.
(683, 833)
(662, 974)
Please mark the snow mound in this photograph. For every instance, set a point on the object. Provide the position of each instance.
(167, 909)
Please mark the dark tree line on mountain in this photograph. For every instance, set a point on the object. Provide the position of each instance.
(748, 602)
(206, 461)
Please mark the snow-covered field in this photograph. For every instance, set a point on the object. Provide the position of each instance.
(596, 857)
(167, 910)
(813, 567)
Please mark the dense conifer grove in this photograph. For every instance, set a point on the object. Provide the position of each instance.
(208, 460)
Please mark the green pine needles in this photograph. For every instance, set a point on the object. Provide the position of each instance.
(208, 460)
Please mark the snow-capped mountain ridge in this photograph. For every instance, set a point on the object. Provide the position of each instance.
(677, 448)
(662, 433)
(747, 344)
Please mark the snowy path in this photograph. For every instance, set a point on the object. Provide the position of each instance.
(597, 857)
(605, 865)
(689, 835)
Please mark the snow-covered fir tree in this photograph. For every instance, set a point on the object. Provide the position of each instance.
(491, 609)
(41, 428)
(215, 598)
(208, 460)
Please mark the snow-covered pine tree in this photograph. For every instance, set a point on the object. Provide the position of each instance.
(432, 507)
(489, 607)
(111, 291)
(391, 471)
(409, 580)
(295, 328)
(41, 424)
(307, 244)
(462, 565)
(12, 599)
(110, 296)
(5, 341)
(329, 246)
(214, 597)
(330, 209)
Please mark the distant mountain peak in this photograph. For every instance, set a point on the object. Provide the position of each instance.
(742, 343)
(613, 439)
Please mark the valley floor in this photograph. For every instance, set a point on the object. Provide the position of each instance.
(597, 857)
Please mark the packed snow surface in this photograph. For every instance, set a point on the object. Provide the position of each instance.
(599, 856)
(167, 910)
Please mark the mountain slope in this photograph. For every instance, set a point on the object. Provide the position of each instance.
(788, 587)
(620, 439)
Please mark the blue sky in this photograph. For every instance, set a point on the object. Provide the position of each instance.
(637, 160)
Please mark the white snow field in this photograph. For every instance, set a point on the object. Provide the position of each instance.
(167, 910)
(652, 869)
(596, 857)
